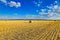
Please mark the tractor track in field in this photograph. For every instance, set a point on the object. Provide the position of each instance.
(48, 31)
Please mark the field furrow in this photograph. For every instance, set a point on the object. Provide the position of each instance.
(23, 30)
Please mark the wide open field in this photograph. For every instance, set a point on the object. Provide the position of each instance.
(23, 30)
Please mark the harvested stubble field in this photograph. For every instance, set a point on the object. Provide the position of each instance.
(23, 30)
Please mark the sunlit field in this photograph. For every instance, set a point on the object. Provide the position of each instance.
(23, 30)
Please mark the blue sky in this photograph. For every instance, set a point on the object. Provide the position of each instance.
(29, 9)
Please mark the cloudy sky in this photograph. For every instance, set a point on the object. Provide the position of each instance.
(29, 9)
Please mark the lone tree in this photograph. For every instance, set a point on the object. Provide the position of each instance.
(29, 17)
(29, 21)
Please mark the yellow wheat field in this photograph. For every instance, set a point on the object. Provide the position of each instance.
(23, 30)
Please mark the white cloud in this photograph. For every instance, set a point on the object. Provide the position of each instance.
(11, 3)
(4, 1)
(35, 17)
(37, 3)
(37, 11)
(15, 14)
(14, 4)
(54, 12)
(12, 17)
(42, 12)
